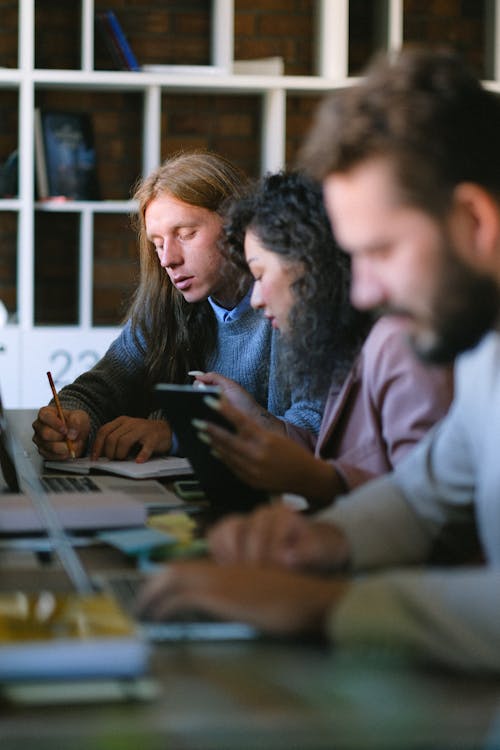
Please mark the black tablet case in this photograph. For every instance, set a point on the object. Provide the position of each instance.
(226, 492)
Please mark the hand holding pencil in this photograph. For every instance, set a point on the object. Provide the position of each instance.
(69, 443)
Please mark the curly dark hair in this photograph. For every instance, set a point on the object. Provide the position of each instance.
(285, 212)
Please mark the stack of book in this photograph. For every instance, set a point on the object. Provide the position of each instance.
(50, 635)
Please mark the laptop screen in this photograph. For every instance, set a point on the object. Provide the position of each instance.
(7, 464)
(12, 455)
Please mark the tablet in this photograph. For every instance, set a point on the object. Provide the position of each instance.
(180, 405)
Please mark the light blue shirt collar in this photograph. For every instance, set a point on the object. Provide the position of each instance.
(224, 315)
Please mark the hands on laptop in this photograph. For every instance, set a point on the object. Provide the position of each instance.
(275, 601)
(244, 581)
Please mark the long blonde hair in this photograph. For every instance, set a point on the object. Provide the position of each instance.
(178, 335)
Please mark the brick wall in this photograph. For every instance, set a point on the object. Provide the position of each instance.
(177, 32)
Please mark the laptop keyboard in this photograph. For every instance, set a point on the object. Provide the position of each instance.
(183, 626)
(125, 588)
(69, 484)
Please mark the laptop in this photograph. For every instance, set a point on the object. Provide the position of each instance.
(78, 509)
(119, 476)
(153, 495)
(83, 503)
(124, 586)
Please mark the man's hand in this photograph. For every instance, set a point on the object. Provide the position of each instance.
(277, 535)
(273, 600)
(118, 438)
(50, 433)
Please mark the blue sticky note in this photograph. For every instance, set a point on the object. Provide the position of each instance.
(138, 541)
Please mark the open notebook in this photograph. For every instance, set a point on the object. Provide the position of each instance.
(166, 466)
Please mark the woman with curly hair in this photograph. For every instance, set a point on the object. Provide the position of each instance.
(191, 311)
(381, 400)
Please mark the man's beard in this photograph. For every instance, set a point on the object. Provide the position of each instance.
(466, 305)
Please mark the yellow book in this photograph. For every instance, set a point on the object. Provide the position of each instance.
(67, 636)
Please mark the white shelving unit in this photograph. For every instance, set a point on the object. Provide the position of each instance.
(26, 350)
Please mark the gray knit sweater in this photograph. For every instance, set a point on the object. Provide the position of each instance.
(246, 352)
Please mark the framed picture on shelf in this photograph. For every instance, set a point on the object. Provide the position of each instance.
(65, 156)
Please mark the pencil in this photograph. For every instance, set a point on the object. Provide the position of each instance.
(60, 414)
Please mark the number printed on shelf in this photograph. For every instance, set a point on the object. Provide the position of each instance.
(66, 365)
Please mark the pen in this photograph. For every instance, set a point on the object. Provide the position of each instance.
(60, 414)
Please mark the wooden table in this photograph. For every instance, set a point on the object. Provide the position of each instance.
(261, 694)
(272, 695)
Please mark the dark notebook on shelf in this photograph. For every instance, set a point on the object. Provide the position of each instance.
(65, 155)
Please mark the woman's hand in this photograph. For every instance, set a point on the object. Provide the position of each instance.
(239, 398)
(50, 433)
(118, 438)
(265, 459)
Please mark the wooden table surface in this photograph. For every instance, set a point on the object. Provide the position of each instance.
(258, 694)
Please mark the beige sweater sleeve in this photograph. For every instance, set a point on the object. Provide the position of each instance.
(441, 615)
